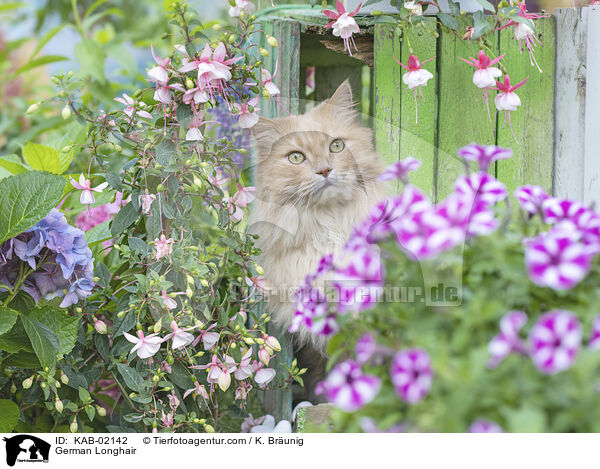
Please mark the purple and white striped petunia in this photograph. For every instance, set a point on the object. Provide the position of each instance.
(594, 341)
(485, 426)
(348, 388)
(508, 340)
(557, 259)
(399, 170)
(411, 374)
(554, 341)
(481, 187)
(531, 198)
(555, 210)
(311, 305)
(484, 155)
(365, 348)
(358, 279)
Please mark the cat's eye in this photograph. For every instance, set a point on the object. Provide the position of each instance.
(337, 145)
(296, 157)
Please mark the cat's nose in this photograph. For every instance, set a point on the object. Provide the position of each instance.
(325, 172)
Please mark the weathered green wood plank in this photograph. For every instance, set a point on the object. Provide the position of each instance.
(533, 122)
(463, 117)
(387, 92)
(417, 138)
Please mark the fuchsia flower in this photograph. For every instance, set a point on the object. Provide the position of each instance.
(267, 82)
(484, 155)
(415, 77)
(214, 369)
(198, 390)
(263, 375)
(194, 134)
(531, 198)
(485, 426)
(411, 374)
(594, 341)
(180, 337)
(218, 178)
(209, 339)
(399, 170)
(163, 92)
(485, 75)
(524, 32)
(146, 346)
(508, 340)
(146, 201)
(554, 341)
(132, 107)
(557, 259)
(244, 195)
(159, 74)
(245, 369)
(343, 24)
(241, 6)
(507, 100)
(348, 388)
(87, 194)
(167, 301)
(163, 246)
(247, 118)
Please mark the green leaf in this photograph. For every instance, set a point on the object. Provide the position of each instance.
(132, 378)
(8, 317)
(15, 340)
(454, 7)
(45, 158)
(25, 199)
(165, 152)
(60, 323)
(448, 20)
(138, 245)
(90, 410)
(98, 233)
(9, 415)
(47, 59)
(84, 395)
(102, 272)
(45, 39)
(481, 24)
(43, 340)
(23, 359)
(13, 164)
(124, 219)
(487, 5)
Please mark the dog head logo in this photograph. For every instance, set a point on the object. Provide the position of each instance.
(26, 448)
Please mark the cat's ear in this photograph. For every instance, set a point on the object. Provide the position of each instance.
(265, 133)
(343, 96)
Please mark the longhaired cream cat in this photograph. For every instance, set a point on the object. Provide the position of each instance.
(315, 177)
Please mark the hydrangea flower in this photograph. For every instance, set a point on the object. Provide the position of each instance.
(348, 388)
(554, 341)
(484, 155)
(508, 340)
(557, 259)
(59, 255)
(411, 374)
(531, 198)
(485, 426)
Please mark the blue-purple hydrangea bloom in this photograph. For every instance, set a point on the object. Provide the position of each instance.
(59, 256)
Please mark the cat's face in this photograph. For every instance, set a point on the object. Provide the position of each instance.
(322, 157)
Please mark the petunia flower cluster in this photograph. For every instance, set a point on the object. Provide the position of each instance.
(51, 259)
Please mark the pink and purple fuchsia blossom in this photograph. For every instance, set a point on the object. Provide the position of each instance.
(411, 374)
(59, 258)
(554, 341)
(348, 388)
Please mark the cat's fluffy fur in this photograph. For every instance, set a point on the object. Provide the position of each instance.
(301, 215)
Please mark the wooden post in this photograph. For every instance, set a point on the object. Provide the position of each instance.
(577, 104)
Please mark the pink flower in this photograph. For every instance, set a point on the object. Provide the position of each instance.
(167, 419)
(484, 155)
(245, 369)
(235, 211)
(531, 198)
(348, 388)
(194, 133)
(267, 82)
(264, 376)
(508, 340)
(343, 24)
(163, 246)
(415, 77)
(146, 346)
(245, 6)
(250, 422)
(218, 178)
(168, 302)
(426, 234)
(365, 348)
(554, 341)
(159, 73)
(485, 75)
(411, 374)
(244, 196)
(180, 337)
(87, 194)
(213, 368)
(555, 210)
(146, 201)
(507, 100)
(523, 32)
(209, 339)
(400, 170)
(485, 426)
(481, 187)
(198, 390)
(173, 400)
(247, 118)
(312, 312)
(163, 92)
(594, 341)
(556, 259)
(132, 107)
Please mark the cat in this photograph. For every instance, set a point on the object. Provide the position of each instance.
(315, 177)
